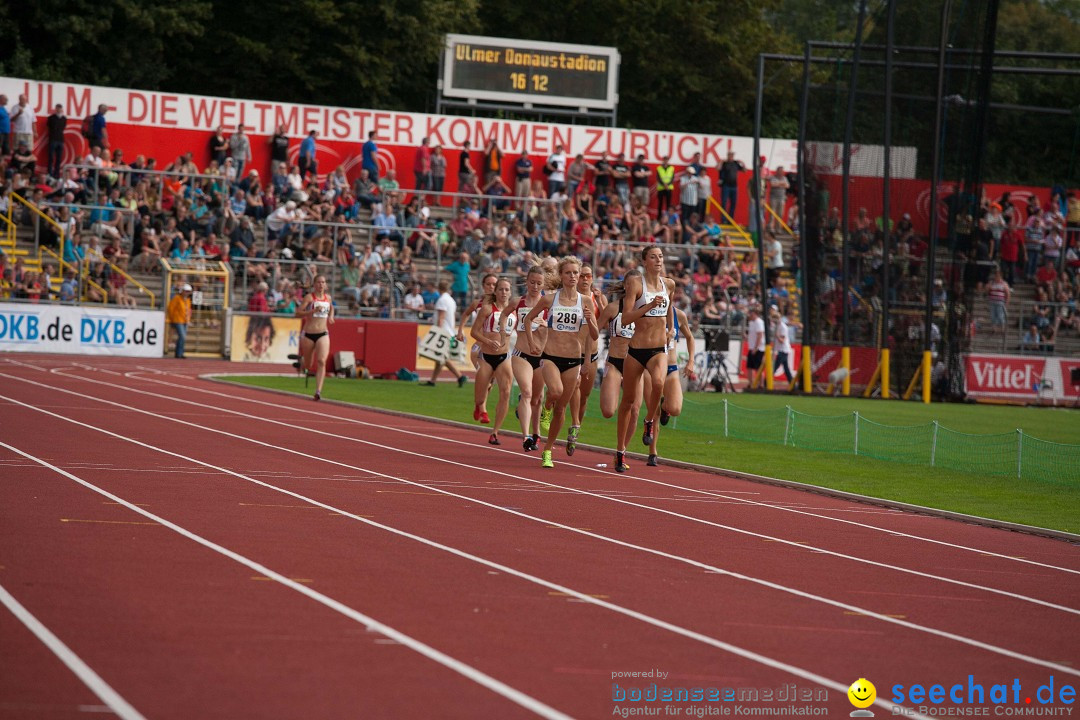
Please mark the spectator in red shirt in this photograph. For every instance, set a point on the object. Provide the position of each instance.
(1046, 275)
(1009, 252)
(258, 302)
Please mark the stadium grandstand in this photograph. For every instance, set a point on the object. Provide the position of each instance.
(95, 220)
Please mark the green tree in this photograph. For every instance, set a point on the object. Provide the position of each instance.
(360, 54)
(130, 43)
(686, 65)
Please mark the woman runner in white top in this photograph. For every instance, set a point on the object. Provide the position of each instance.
(524, 363)
(647, 304)
(568, 318)
(589, 354)
(492, 335)
(618, 343)
(550, 266)
(317, 311)
(672, 400)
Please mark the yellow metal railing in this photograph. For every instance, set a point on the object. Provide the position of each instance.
(9, 230)
(79, 272)
(60, 232)
(742, 238)
(780, 220)
(11, 220)
(142, 288)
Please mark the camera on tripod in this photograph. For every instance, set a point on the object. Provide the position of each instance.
(717, 340)
(717, 344)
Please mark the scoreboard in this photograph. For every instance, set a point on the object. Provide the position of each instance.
(526, 71)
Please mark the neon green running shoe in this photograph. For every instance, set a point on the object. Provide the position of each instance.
(571, 439)
(546, 459)
(545, 419)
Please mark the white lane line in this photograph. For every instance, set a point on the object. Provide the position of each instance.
(467, 671)
(547, 523)
(726, 494)
(66, 655)
(563, 488)
(404, 639)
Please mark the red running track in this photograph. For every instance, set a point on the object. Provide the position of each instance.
(214, 551)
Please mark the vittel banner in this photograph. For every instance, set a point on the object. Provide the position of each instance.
(88, 330)
(1015, 377)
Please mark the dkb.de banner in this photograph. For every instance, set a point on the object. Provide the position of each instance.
(88, 329)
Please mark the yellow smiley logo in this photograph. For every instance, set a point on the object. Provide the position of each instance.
(862, 693)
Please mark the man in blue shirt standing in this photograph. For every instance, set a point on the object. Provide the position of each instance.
(5, 127)
(369, 157)
(98, 134)
(307, 156)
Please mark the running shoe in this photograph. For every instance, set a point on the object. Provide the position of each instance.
(651, 462)
(527, 445)
(650, 432)
(545, 459)
(484, 417)
(571, 439)
(535, 442)
(318, 395)
(620, 463)
(462, 380)
(429, 383)
(664, 416)
(494, 440)
(545, 419)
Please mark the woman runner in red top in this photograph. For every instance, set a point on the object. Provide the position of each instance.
(487, 286)
(317, 311)
(525, 364)
(491, 334)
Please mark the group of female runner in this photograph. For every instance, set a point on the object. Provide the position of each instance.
(557, 323)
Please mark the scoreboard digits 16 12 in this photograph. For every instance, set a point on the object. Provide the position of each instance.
(530, 72)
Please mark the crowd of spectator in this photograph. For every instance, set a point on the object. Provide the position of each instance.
(994, 245)
(280, 226)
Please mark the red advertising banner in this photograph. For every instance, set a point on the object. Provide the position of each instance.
(165, 125)
(1070, 384)
(1017, 377)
